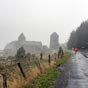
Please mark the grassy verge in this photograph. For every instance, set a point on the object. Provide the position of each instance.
(45, 80)
(49, 77)
(64, 59)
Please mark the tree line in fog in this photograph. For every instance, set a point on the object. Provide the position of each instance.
(79, 38)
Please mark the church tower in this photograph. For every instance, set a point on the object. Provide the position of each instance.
(21, 38)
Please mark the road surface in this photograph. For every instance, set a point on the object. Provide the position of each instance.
(75, 73)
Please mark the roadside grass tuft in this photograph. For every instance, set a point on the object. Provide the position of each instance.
(64, 59)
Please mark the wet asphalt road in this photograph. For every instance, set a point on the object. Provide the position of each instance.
(74, 74)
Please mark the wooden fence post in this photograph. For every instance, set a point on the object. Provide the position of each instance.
(21, 69)
(4, 80)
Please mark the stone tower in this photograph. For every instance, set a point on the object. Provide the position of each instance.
(54, 41)
(21, 38)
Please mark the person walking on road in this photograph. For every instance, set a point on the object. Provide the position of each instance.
(76, 50)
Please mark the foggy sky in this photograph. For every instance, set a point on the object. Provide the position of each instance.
(37, 19)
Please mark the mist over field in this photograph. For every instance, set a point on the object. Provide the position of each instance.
(37, 19)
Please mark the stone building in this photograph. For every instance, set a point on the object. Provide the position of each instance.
(29, 46)
(54, 41)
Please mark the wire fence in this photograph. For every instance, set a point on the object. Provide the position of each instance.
(13, 67)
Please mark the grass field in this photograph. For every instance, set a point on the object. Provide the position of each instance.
(34, 77)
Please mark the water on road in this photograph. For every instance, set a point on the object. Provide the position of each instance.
(75, 74)
(78, 77)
